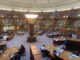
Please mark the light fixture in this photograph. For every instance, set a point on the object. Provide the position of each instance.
(65, 16)
(2, 16)
(52, 16)
(78, 14)
(31, 16)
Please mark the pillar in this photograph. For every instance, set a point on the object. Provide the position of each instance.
(53, 23)
(65, 24)
(32, 37)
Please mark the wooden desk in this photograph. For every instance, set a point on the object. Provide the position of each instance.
(20, 32)
(69, 39)
(63, 55)
(73, 39)
(10, 37)
(6, 55)
(40, 32)
(70, 43)
(36, 53)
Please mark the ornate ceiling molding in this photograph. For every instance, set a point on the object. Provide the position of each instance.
(38, 5)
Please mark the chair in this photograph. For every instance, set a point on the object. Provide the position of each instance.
(45, 53)
(57, 58)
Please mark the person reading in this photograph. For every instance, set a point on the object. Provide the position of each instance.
(21, 50)
(44, 51)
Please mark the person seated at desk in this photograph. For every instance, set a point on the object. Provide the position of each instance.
(44, 51)
(65, 41)
(1, 37)
(58, 51)
(76, 53)
(16, 57)
(1, 50)
(5, 37)
(74, 36)
(55, 40)
(21, 50)
(2, 45)
(56, 57)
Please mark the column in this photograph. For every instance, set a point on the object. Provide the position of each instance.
(32, 37)
(65, 24)
(53, 23)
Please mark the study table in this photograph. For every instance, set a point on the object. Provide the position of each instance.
(40, 32)
(71, 39)
(69, 44)
(64, 55)
(8, 52)
(35, 55)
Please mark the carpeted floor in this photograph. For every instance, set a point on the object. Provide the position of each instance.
(22, 39)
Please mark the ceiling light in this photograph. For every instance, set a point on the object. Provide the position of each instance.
(32, 16)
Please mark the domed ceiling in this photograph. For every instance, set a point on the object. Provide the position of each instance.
(38, 5)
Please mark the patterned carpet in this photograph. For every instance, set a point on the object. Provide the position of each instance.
(22, 39)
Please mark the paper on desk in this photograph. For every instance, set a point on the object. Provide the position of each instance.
(72, 56)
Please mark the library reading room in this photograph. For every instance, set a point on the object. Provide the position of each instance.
(39, 29)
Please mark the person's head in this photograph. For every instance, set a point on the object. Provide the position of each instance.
(22, 46)
(43, 45)
(76, 51)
